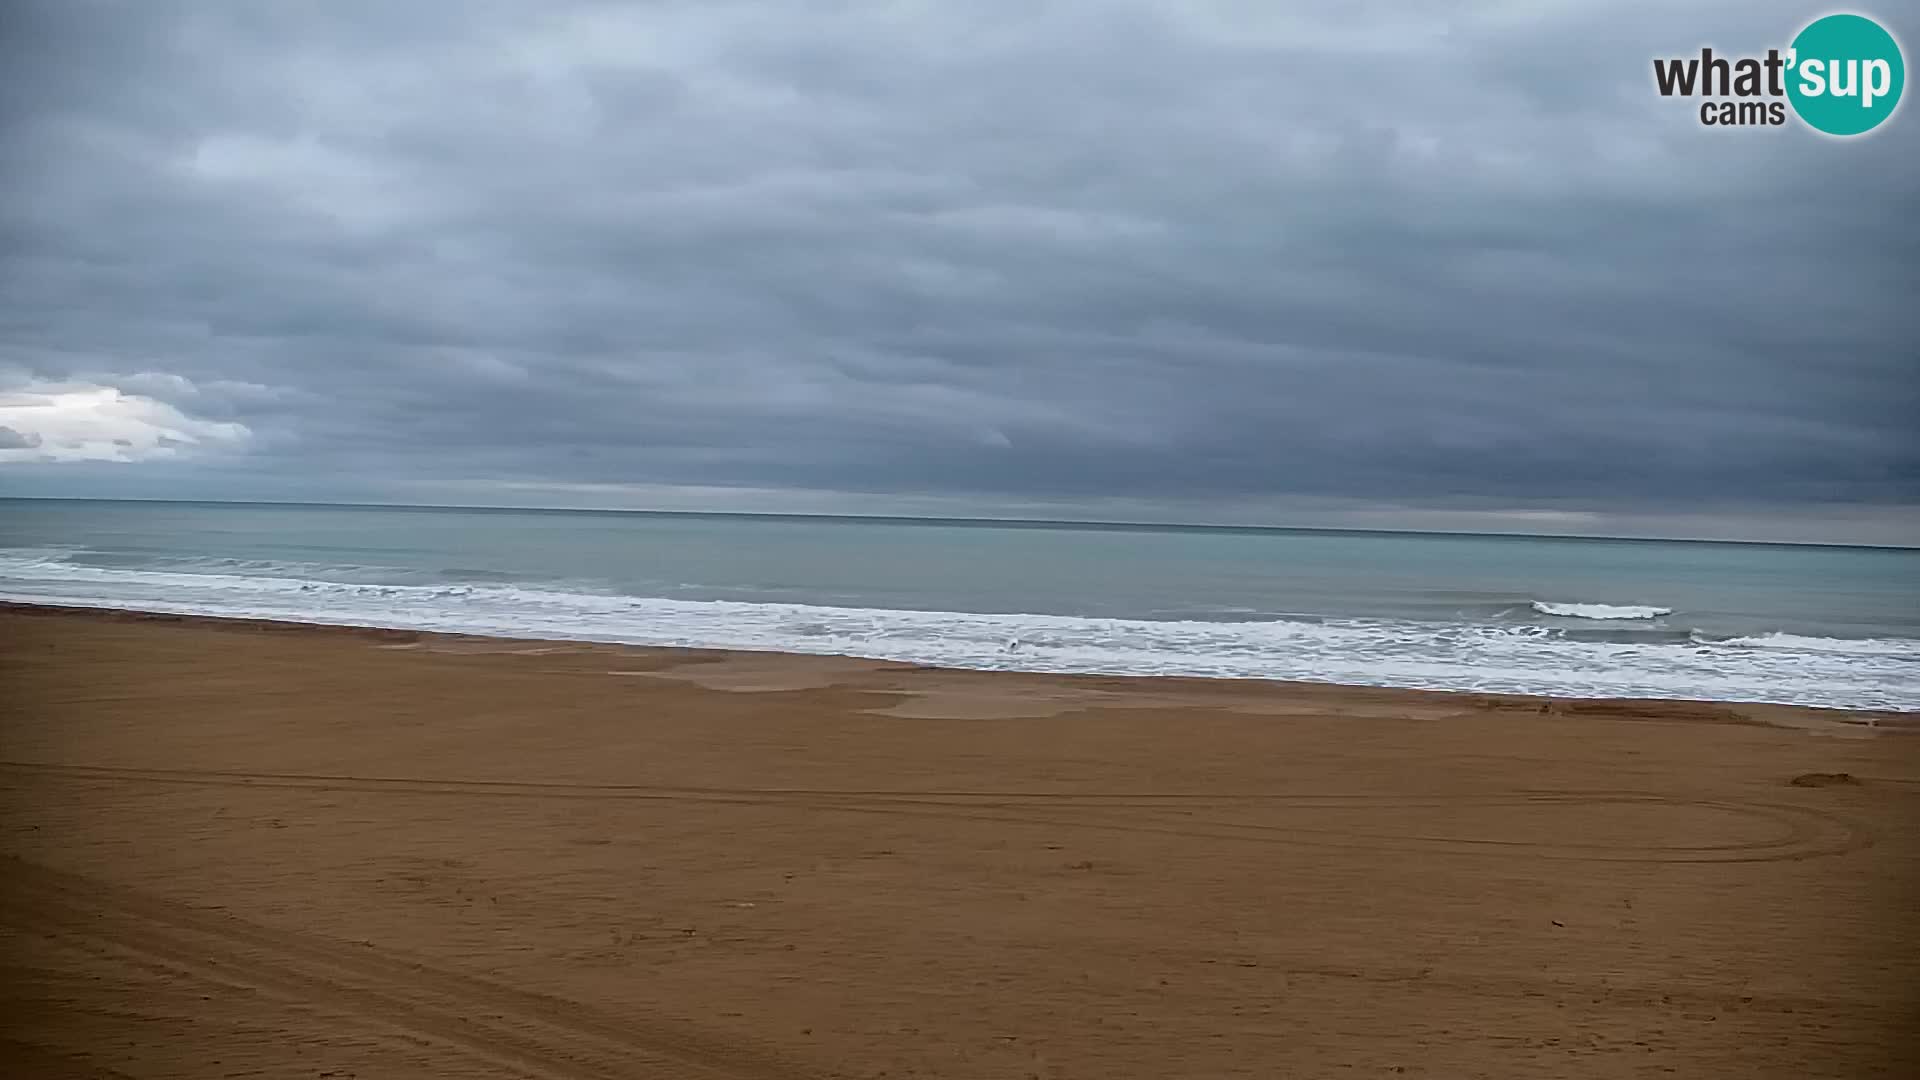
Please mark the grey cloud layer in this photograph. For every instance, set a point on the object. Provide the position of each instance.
(1412, 254)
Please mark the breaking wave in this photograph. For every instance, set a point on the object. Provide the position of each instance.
(1600, 611)
(1806, 643)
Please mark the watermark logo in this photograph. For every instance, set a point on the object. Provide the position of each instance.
(1842, 75)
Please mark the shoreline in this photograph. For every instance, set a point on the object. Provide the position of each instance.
(296, 849)
(1784, 715)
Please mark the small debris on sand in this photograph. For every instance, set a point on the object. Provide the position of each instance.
(1822, 779)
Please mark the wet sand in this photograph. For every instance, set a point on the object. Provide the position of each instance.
(245, 849)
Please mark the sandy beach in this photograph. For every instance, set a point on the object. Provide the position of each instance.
(267, 850)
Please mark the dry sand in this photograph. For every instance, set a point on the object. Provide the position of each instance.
(257, 850)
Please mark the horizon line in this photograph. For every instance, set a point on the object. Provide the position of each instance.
(916, 519)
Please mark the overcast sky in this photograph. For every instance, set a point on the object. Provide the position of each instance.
(1401, 264)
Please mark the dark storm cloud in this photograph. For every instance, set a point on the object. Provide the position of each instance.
(1414, 255)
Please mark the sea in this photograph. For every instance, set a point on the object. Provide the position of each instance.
(1570, 617)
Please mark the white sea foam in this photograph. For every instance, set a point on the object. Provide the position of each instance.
(1381, 652)
(1600, 611)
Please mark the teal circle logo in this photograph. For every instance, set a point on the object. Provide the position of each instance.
(1845, 74)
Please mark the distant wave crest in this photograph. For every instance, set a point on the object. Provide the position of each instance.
(1600, 611)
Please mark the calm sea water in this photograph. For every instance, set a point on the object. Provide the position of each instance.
(1810, 625)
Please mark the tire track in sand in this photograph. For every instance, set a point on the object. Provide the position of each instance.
(1798, 831)
(525, 1032)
